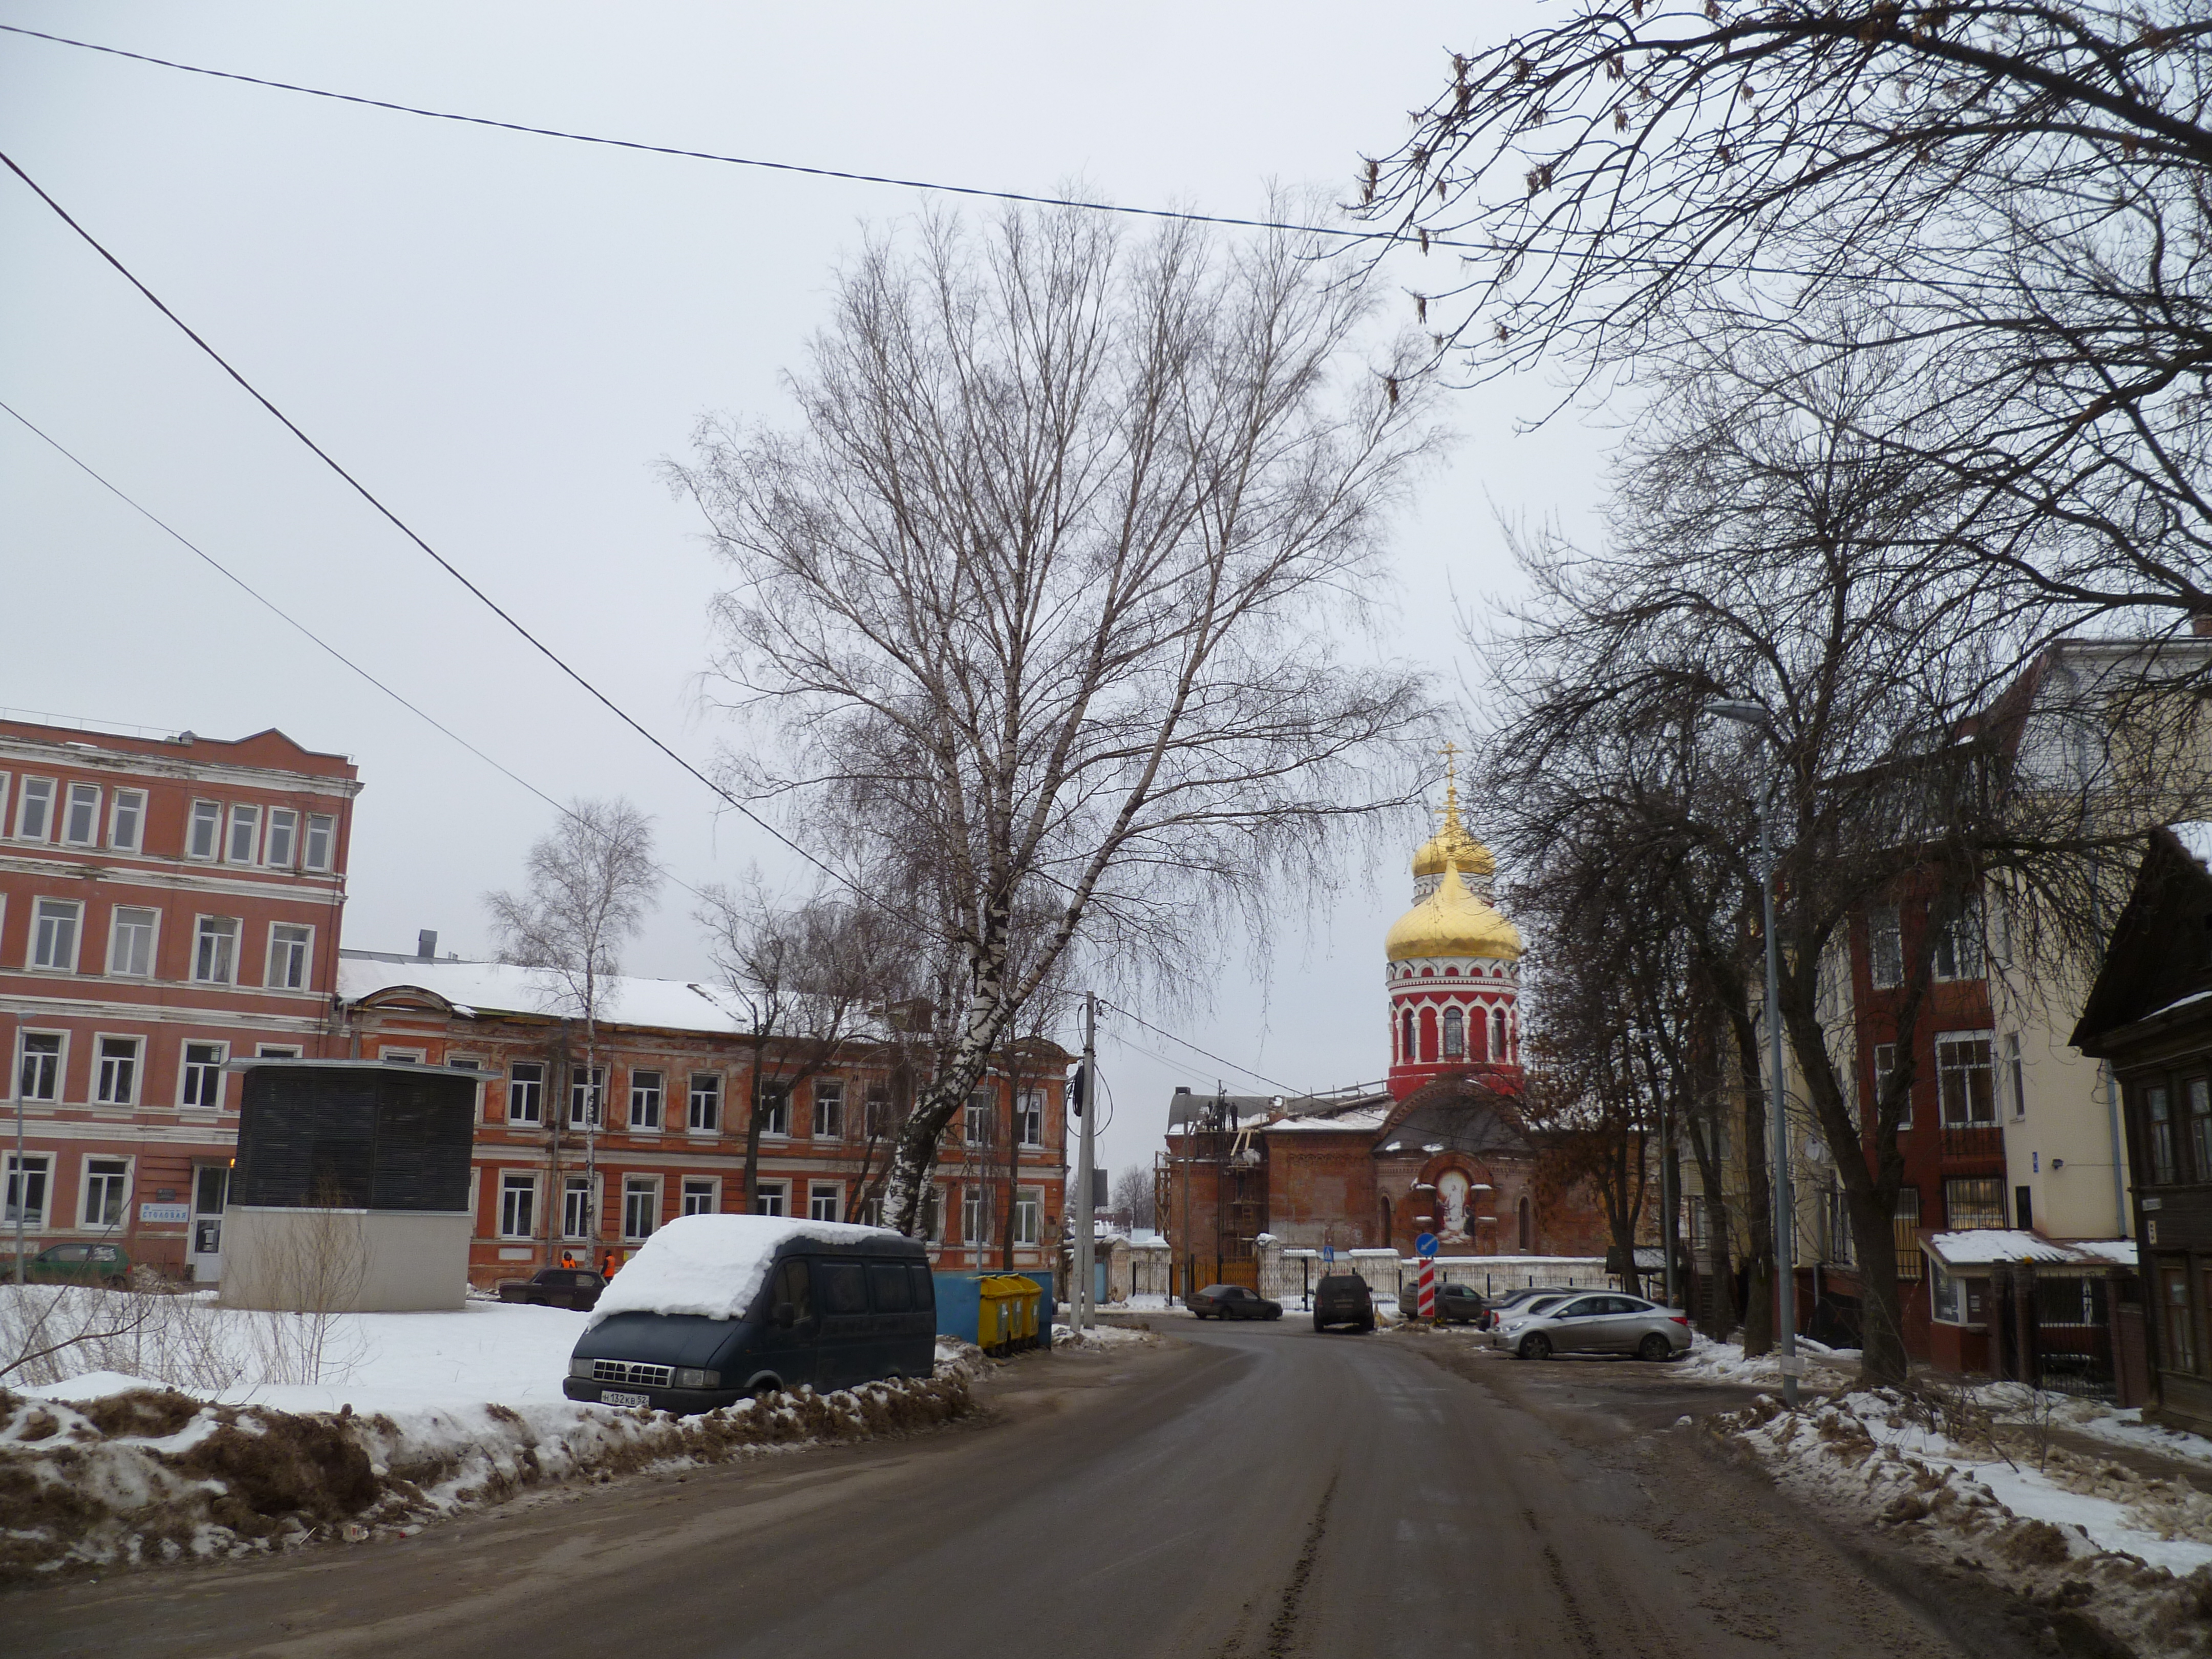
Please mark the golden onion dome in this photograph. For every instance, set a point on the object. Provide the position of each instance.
(1451, 844)
(1453, 922)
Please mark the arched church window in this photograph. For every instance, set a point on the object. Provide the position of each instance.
(1481, 1027)
(1405, 1036)
(1497, 1032)
(1454, 1034)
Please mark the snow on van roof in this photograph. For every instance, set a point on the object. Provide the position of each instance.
(713, 1265)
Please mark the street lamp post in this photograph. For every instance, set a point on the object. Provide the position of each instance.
(1785, 1220)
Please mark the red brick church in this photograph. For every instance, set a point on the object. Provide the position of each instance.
(1439, 1148)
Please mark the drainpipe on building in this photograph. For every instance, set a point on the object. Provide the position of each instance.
(22, 1175)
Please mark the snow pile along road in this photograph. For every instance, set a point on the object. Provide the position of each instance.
(2082, 1538)
(108, 1469)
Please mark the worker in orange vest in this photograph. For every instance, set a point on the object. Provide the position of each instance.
(607, 1266)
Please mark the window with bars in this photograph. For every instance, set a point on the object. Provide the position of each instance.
(1904, 1234)
(1973, 1202)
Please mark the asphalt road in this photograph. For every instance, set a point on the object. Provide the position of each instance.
(1248, 1491)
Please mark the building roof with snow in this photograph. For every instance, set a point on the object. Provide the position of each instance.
(1988, 1246)
(499, 988)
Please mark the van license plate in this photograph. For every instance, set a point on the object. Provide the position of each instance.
(616, 1397)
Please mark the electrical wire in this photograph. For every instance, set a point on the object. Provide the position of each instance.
(1287, 1088)
(447, 565)
(641, 146)
(285, 616)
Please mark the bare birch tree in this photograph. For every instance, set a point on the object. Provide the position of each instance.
(1048, 597)
(589, 885)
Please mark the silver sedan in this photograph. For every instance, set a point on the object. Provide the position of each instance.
(1599, 1323)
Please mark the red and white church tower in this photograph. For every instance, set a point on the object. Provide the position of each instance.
(1454, 967)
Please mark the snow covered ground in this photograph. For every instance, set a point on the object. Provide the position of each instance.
(416, 1416)
(1994, 1492)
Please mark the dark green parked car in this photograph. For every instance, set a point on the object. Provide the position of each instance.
(80, 1264)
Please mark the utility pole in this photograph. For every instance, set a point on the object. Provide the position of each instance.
(1086, 1224)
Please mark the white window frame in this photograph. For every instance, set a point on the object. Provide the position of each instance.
(37, 1174)
(153, 941)
(828, 1124)
(700, 1195)
(290, 856)
(205, 817)
(1989, 1041)
(103, 1078)
(648, 1101)
(132, 802)
(305, 947)
(207, 1072)
(648, 1188)
(36, 957)
(1028, 1216)
(324, 826)
(775, 1109)
(514, 1184)
(977, 1110)
(278, 1051)
(41, 790)
(406, 1056)
(772, 1198)
(244, 815)
(933, 1209)
(587, 1097)
(1882, 1080)
(711, 1095)
(1029, 1117)
(86, 1191)
(1962, 936)
(578, 1205)
(201, 933)
(4, 819)
(975, 1215)
(875, 1116)
(80, 793)
(825, 1200)
(531, 1090)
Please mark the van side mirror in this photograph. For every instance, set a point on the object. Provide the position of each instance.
(786, 1316)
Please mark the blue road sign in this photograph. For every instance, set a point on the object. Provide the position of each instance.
(1425, 1244)
(1328, 1252)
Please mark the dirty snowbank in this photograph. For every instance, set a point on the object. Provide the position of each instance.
(436, 1413)
(2077, 1536)
(1099, 1337)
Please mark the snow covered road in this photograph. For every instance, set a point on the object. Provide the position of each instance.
(1241, 1491)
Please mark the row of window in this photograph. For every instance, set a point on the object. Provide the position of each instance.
(56, 938)
(119, 1066)
(267, 837)
(642, 1200)
(1967, 1079)
(1479, 1040)
(103, 1191)
(649, 1105)
(1954, 943)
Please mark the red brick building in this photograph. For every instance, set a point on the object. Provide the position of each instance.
(1440, 1149)
(167, 904)
(583, 1154)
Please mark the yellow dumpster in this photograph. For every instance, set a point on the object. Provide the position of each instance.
(1006, 1316)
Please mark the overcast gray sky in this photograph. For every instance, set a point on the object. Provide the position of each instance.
(502, 334)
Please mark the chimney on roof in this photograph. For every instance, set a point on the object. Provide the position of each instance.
(426, 945)
(2200, 622)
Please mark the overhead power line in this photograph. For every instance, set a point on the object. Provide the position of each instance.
(1338, 233)
(309, 634)
(443, 563)
(1219, 1060)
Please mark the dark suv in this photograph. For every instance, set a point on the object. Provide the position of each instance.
(1343, 1299)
